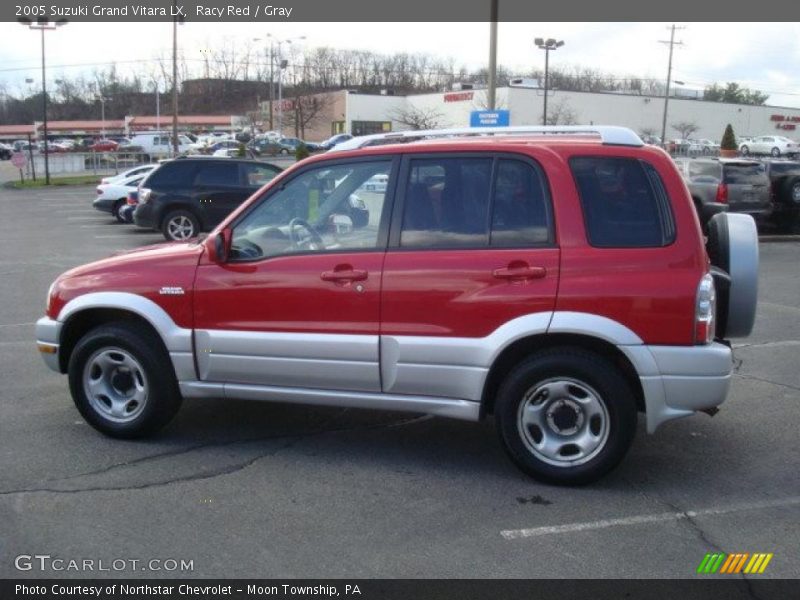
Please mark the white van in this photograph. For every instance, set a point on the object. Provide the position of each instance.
(159, 143)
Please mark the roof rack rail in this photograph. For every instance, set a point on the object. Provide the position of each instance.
(609, 134)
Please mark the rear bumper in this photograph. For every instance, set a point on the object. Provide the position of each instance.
(680, 380)
(143, 216)
(48, 332)
(103, 204)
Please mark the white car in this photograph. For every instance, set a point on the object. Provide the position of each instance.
(140, 170)
(775, 145)
(111, 197)
(708, 146)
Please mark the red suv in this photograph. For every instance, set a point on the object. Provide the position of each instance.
(556, 278)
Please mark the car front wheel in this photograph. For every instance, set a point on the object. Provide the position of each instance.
(566, 416)
(180, 225)
(122, 381)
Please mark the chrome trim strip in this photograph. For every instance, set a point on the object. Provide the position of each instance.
(445, 407)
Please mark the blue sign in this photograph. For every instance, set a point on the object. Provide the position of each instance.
(489, 118)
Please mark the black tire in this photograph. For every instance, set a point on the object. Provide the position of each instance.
(791, 192)
(183, 221)
(776, 152)
(284, 151)
(116, 208)
(611, 428)
(744, 150)
(162, 398)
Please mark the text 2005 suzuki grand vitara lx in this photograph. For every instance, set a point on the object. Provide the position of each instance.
(557, 278)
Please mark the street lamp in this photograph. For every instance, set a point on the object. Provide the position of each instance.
(43, 25)
(547, 45)
(282, 64)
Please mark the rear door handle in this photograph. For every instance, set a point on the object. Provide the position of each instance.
(343, 274)
(519, 272)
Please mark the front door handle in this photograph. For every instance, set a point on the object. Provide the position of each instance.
(519, 271)
(344, 274)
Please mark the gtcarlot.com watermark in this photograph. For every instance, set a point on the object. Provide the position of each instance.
(47, 562)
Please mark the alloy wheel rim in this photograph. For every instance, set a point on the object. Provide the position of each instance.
(115, 384)
(563, 422)
(180, 228)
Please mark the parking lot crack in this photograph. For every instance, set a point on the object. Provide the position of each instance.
(764, 380)
(291, 440)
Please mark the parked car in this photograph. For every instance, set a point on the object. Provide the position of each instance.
(264, 147)
(104, 146)
(6, 151)
(158, 144)
(111, 197)
(140, 170)
(561, 284)
(784, 177)
(289, 145)
(335, 139)
(23, 146)
(774, 145)
(224, 145)
(741, 185)
(185, 196)
(708, 147)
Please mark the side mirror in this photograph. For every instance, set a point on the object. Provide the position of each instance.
(220, 249)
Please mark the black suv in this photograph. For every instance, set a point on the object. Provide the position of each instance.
(185, 196)
(784, 177)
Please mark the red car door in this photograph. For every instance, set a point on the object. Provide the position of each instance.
(474, 253)
(297, 303)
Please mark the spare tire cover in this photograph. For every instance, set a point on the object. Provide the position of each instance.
(733, 247)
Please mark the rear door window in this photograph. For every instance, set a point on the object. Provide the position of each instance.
(447, 203)
(624, 203)
(521, 208)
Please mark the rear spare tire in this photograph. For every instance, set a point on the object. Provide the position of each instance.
(733, 248)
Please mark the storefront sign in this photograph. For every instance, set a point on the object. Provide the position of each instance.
(458, 96)
(489, 118)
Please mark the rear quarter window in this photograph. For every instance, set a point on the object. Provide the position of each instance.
(171, 174)
(624, 203)
(745, 174)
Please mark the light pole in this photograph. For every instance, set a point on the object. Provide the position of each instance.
(44, 25)
(102, 116)
(547, 45)
(282, 64)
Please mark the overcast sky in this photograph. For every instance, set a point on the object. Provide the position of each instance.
(758, 55)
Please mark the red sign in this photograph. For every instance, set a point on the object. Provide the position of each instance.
(19, 160)
(790, 118)
(788, 126)
(458, 96)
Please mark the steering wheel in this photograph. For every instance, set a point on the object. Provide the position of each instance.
(314, 240)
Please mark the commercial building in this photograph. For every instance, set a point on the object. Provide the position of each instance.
(359, 114)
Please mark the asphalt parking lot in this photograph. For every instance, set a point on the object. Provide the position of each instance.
(269, 490)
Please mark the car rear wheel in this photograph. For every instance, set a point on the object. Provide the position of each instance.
(122, 381)
(566, 416)
(744, 150)
(284, 151)
(180, 225)
(776, 152)
(793, 191)
(116, 208)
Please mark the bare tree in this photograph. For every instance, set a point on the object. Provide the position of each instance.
(562, 114)
(306, 110)
(417, 118)
(685, 128)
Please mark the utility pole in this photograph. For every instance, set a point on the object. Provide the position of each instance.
(271, 82)
(672, 43)
(491, 98)
(174, 81)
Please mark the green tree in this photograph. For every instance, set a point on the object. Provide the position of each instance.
(728, 139)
